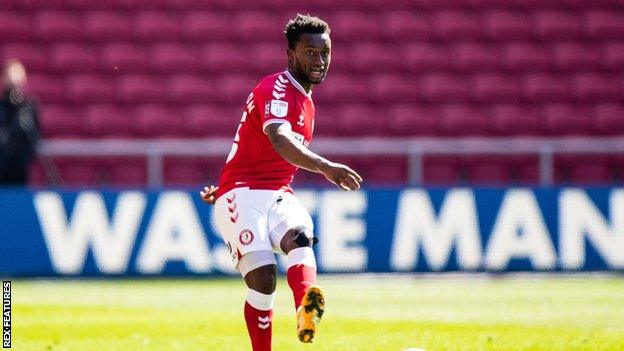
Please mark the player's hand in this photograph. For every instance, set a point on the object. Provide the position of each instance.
(342, 176)
(209, 194)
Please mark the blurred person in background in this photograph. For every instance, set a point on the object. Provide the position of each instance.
(19, 126)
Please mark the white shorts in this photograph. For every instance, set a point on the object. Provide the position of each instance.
(256, 220)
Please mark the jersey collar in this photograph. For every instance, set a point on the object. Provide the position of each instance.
(296, 84)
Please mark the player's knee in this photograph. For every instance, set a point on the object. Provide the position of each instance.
(262, 279)
(298, 237)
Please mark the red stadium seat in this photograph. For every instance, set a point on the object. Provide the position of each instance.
(357, 119)
(492, 88)
(592, 173)
(442, 170)
(583, 169)
(597, 88)
(462, 120)
(192, 170)
(158, 121)
(605, 24)
(325, 121)
(411, 120)
(480, 169)
(501, 25)
(253, 26)
(32, 56)
(224, 57)
(338, 88)
(341, 61)
(608, 119)
(209, 120)
(616, 164)
(139, 88)
(127, 171)
(81, 171)
(491, 169)
(104, 25)
(271, 58)
(186, 89)
(546, 88)
(202, 25)
(386, 170)
(37, 175)
(425, 57)
(56, 120)
(234, 88)
(403, 25)
(108, 121)
(140, 4)
(400, 69)
(391, 88)
(454, 25)
(514, 120)
(85, 88)
(156, 25)
(373, 57)
(171, 57)
(123, 58)
(352, 25)
(574, 56)
(561, 119)
(188, 5)
(46, 88)
(14, 26)
(525, 56)
(68, 4)
(182, 172)
(73, 57)
(557, 24)
(443, 88)
(524, 169)
(470, 57)
(614, 56)
(57, 25)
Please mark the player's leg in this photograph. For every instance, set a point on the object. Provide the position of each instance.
(259, 269)
(241, 217)
(301, 275)
(291, 235)
(297, 245)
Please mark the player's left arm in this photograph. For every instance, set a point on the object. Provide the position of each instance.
(280, 135)
(209, 194)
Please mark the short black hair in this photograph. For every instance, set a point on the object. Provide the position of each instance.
(304, 24)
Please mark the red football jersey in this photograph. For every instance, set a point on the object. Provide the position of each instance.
(253, 162)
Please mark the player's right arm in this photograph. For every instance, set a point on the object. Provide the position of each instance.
(280, 135)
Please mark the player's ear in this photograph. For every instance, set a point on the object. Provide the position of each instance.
(290, 53)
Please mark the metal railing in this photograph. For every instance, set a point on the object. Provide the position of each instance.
(413, 148)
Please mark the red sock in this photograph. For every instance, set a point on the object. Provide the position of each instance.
(259, 325)
(301, 272)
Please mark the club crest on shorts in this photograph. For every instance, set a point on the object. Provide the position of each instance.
(245, 237)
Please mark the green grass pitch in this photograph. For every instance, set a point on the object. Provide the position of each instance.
(363, 313)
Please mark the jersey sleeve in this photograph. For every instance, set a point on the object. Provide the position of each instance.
(276, 104)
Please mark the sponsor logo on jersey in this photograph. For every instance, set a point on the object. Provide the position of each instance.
(279, 108)
(267, 108)
(245, 237)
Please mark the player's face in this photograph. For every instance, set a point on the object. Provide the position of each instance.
(311, 57)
